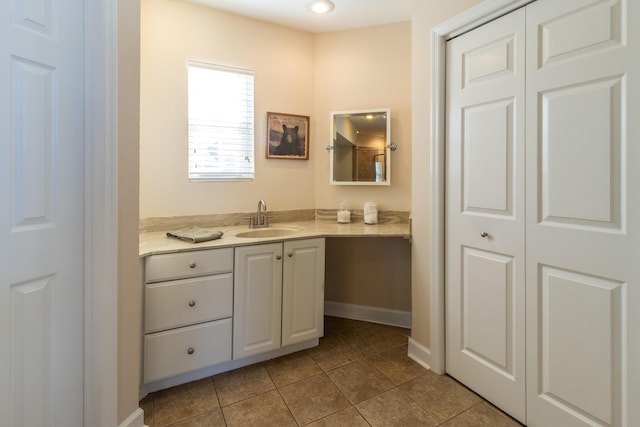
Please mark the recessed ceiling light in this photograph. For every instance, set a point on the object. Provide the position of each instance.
(321, 6)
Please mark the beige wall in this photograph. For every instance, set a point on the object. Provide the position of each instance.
(426, 14)
(374, 275)
(360, 69)
(174, 32)
(296, 72)
(129, 287)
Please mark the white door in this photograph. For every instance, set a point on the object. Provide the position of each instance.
(485, 290)
(41, 212)
(583, 213)
(257, 299)
(303, 291)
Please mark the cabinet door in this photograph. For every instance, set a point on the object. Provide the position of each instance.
(303, 291)
(257, 301)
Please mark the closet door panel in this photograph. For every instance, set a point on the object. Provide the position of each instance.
(487, 335)
(583, 205)
(487, 158)
(586, 27)
(580, 126)
(485, 303)
(571, 302)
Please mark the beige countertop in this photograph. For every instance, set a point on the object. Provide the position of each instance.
(158, 242)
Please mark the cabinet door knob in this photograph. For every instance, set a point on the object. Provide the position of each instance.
(192, 303)
(278, 256)
(192, 265)
(190, 350)
(289, 254)
(484, 234)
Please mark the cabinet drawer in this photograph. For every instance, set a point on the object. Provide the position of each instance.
(186, 349)
(188, 301)
(188, 264)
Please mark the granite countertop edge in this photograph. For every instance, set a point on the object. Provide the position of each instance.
(157, 242)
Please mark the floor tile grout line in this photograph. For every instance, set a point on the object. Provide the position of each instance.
(277, 389)
(362, 415)
(461, 412)
(426, 409)
(287, 406)
(215, 389)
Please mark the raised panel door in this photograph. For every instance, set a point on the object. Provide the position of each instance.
(485, 290)
(583, 210)
(42, 193)
(257, 299)
(303, 291)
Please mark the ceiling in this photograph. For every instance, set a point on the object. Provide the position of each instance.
(348, 14)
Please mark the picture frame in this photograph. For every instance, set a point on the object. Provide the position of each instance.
(287, 136)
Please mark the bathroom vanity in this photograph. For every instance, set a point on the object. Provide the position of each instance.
(248, 297)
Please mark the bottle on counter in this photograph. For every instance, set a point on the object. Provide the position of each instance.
(370, 212)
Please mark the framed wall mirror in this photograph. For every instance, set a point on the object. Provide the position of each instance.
(360, 147)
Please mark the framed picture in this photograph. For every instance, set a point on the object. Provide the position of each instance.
(287, 136)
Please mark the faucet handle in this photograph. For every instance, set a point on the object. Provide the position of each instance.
(252, 221)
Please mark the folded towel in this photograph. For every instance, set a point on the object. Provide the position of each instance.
(195, 234)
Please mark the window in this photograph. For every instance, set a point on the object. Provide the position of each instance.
(221, 143)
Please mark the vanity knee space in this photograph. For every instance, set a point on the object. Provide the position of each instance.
(208, 307)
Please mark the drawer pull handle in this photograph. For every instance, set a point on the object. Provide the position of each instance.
(192, 265)
(190, 350)
(192, 303)
(289, 254)
(278, 256)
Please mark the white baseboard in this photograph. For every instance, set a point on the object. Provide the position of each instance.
(419, 354)
(369, 314)
(134, 420)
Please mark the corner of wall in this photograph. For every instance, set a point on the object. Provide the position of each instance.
(420, 354)
(129, 291)
(136, 419)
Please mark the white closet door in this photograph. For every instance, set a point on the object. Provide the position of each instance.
(485, 290)
(583, 213)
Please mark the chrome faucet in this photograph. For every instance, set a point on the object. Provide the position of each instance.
(261, 220)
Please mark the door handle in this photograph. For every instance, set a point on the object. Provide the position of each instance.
(484, 234)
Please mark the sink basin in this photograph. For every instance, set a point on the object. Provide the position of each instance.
(267, 232)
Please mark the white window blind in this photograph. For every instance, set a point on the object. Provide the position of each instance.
(221, 142)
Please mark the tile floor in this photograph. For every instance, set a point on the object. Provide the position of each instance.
(359, 375)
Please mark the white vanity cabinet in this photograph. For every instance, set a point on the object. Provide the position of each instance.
(206, 307)
(188, 311)
(279, 295)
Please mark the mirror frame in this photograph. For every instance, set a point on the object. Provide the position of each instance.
(387, 148)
